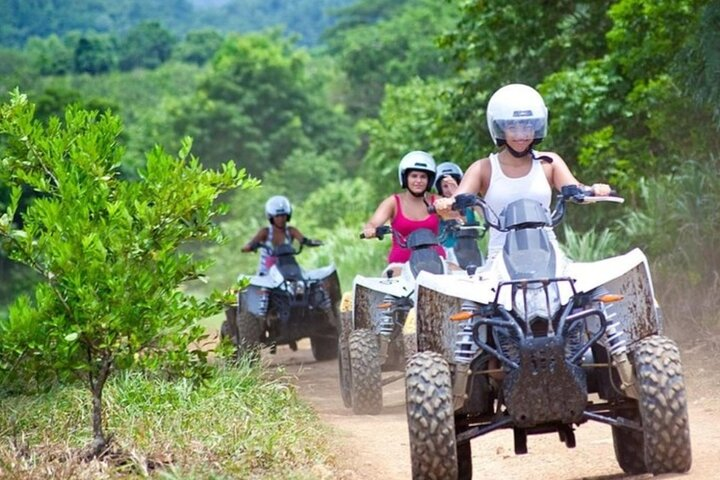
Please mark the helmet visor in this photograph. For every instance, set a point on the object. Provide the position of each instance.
(528, 126)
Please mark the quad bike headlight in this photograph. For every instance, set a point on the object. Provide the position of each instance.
(535, 301)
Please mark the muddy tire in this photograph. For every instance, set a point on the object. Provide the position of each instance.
(629, 449)
(344, 359)
(324, 348)
(249, 333)
(430, 416)
(464, 458)
(662, 407)
(228, 329)
(366, 378)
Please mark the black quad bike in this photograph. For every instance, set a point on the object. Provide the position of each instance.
(286, 305)
(539, 344)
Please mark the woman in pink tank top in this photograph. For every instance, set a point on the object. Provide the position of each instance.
(407, 211)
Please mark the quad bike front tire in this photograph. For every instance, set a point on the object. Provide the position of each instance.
(365, 374)
(249, 333)
(228, 329)
(662, 410)
(431, 421)
(344, 359)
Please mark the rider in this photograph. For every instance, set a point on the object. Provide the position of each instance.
(448, 178)
(407, 211)
(278, 211)
(517, 121)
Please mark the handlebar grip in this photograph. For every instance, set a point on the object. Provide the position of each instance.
(431, 209)
(362, 236)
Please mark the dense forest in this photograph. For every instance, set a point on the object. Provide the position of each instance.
(318, 100)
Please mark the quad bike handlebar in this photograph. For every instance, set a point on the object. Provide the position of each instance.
(285, 249)
(570, 193)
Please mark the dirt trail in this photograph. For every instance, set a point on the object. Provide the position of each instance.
(376, 447)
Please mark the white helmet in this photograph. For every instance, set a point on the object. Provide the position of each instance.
(420, 161)
(278, 205)
(519, 104)
(447, 168)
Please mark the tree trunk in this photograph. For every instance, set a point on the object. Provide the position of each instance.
(100, 442)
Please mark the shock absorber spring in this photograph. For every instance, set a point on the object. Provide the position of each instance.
(614, 333)
(386, 323)
(465, 347)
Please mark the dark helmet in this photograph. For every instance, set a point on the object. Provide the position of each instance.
(445, 169)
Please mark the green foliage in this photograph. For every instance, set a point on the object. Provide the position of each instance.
(247, 423)
(42, 18)
(590, 246)
(94, 54)
(147, 45)
(199, 46)
(388, 43)
(416, 116)
(301, 174)
(304, 19)
(647, 35)
(107, 250)
(698, 63)
(259, 105)
(349, 202)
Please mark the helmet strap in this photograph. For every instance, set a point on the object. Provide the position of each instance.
(416, 195)
(524, 153)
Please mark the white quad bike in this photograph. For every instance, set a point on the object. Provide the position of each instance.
(286, 305)
(539, 344)
(371, 338)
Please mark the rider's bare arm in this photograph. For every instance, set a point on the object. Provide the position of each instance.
(561, 175)
(384, 212)
(260, 237)
(296, 235)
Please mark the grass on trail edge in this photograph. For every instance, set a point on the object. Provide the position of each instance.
(242, 423)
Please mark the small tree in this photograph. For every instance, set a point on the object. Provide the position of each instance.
(108, 250)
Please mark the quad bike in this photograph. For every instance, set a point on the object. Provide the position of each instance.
(286, 305)
(371, 337)
(523, 343)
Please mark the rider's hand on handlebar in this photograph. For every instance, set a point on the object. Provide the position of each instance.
(368, 231)
(601, 190)
(443, 207)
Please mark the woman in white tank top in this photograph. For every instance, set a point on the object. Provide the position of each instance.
(517, 121)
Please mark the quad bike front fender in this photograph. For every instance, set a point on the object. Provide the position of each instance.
(253, 300)
(320, 273)
(627, 275)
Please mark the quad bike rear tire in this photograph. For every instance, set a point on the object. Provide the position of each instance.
(345, 375)
(366, 377)
(662, 409)
(431, 421)
(324, 348)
